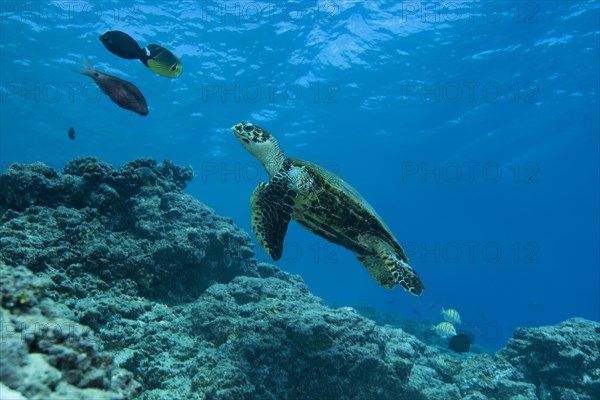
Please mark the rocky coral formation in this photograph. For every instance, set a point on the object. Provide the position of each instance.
(318, 352)
(562, 361)
(116, 284)
(48, 356)
(91, 227)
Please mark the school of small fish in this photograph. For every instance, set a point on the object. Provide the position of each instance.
(446, 328)
(451, 315)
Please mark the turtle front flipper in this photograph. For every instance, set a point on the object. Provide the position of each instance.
(388, 267)
(272, 207)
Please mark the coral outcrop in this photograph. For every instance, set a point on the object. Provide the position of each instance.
(135, 228)
(117, 284)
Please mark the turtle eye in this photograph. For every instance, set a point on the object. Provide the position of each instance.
(264, 135)
(173, 67)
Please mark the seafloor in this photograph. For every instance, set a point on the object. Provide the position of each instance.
(117, 285)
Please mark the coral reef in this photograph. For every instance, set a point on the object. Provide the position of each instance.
(116, 284)
(47, 356)
(562, 361)
(91, 227)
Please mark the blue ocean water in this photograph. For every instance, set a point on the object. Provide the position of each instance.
(471, 127)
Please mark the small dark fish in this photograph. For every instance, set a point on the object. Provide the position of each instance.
(72, 133)
(155, 57)
(122, 45)
(124, 94)
(460, 343)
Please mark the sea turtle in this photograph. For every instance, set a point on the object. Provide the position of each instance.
(324, 204)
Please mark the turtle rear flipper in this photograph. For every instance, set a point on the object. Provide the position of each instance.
(272, 207)
(378, 271)
(388, 267)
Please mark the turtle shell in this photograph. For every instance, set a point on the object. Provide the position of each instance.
(335, 210)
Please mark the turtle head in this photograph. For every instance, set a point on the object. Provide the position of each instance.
(261, 145)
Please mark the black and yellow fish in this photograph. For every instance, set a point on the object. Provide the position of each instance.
(162, 61)
(124, 94)
(155, 57)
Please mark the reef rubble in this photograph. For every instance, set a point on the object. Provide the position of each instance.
(116, 284)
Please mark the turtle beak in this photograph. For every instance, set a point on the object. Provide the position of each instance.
(238, 129)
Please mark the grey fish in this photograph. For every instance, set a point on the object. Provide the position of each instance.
(72, 133)
(124, 94)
